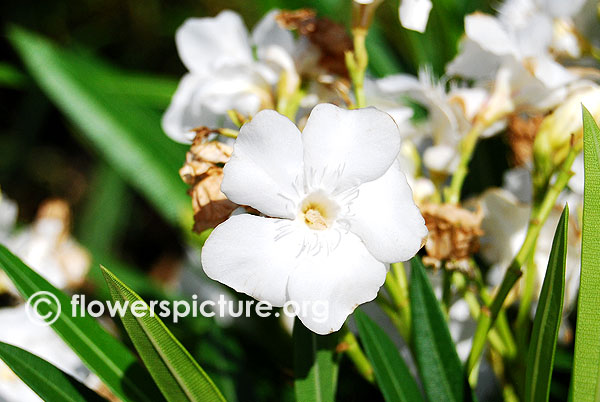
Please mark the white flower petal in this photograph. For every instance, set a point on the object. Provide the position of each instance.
(441, 158)
(267, 33)
(489, 33)
(504, 226)
(240, 88)
(344, 148)
(247, 253)
(414, 14)
(386, 218)
(265, 166)
(341, 281)
(562, 8)
(399, 83)
(206, 44)
(186, 111)
(474, 61)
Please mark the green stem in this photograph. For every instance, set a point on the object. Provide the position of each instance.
(467, 146)
(396, 285)
(513, 273)
(353, 350)
(446, 290)
(357, 62)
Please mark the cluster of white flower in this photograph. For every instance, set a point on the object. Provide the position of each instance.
(47, 247)
(329, 204)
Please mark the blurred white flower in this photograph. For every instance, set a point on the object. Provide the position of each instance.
(450, 115)
(521, 48)
(414, 14)
(47, 247)
(557, 13)
(223, 72)
(18, 330)
(8, 217)
(337, 209)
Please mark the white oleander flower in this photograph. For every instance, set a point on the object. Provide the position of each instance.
(223, 73)
(20, 331)
(450, 115)
(336, 206)
(48, 248)
(414, 14)
(522, 50)
(562, 37)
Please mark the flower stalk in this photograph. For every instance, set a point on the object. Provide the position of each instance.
(514, 272)
(467, 147)
(357, 62)
(349, 345)
(396, 285)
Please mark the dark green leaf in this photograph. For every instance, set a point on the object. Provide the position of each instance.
(116, 366)
(175, 371)
(435, 353)
(392, 374)
(315, 365)
(49, 382)
(540, 359)
(128, 137)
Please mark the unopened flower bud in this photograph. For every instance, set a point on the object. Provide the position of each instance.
(554, 137)
(363, 12)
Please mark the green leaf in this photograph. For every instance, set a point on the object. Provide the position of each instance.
(435, 352)
(392, 374)
(46, 380)
(175, 371)
(315, 365)
(586, 369)
(116, 366)
(128, 136)
(11, 77)
(540, 359)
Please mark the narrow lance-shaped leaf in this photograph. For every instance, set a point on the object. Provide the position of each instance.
(391, 372)
(586, 365)
(435, 352)
(540, 359)
(110, 360)
(128, 136)
(315, 365)
(46, 380)
(175, 371)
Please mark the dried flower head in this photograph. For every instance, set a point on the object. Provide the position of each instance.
(330, 38)
(204, 173)
(521, 135)
(453, 235)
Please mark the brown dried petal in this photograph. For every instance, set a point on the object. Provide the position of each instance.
(329, 37)
(211, 206)
(521, 135)
(201, 157)
(453, 234)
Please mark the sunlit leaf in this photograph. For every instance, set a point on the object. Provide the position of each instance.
(586, 366)
(540, 359)
(175, 371)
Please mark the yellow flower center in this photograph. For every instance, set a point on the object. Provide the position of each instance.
(318, 212)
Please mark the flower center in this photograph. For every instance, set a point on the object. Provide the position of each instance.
(318, 211)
